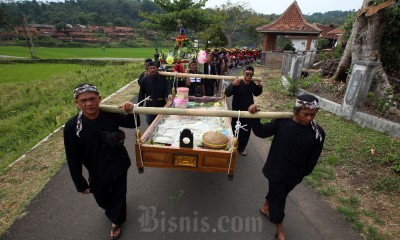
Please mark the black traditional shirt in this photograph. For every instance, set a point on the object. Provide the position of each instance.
(294, 149)
(157, 87)
(103, 162)
(243, 95)
(213, 68)
(140, 79)
(195, 88)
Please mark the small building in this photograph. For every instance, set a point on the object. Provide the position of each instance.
(290, 23)
(46, 29)
(337, 33)
(25, 31)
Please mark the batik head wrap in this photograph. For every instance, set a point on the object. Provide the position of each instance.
(83, 88)
(308, 101)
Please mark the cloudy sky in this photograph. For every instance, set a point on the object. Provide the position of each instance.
(306, 6)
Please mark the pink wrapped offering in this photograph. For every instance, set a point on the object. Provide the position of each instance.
(181, 103)
(182, 93)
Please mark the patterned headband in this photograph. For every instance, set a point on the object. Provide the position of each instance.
(305, 104)
(310, 105)
(84, 89)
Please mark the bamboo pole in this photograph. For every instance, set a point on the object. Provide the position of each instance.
(197, 112)
(176, 74)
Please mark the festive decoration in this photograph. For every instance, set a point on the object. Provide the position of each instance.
(182, 40)
(170, 59)
(201, 59)
(202, 53)
(182, 50)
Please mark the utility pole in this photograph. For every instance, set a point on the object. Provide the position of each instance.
(30, 42)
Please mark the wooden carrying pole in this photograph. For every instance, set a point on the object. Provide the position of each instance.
(197, 112)
(176, 74)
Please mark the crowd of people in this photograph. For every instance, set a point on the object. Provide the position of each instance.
(218, 62)
(92, 138)
(235, 57)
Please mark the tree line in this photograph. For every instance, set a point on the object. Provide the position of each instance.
(231, 22)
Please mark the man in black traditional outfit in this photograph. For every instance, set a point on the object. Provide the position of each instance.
(157, 88)
(92, 138)
(243, 92)
(294, 152)
(146, 72)
(211, 67)
(195, 84)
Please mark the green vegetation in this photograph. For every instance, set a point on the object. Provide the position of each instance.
(322, 43)
(20, 73)
(33, 105)
(329, 17)
(190, 13)
(383, 103)
(60, 13)
(42, 52)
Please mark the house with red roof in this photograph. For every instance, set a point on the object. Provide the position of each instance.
(290, 23)
(337, 33)
(299, 42)
(72, 33)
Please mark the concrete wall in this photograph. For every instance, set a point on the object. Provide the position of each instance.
(301, 44)
(363, 119)
(274, 59)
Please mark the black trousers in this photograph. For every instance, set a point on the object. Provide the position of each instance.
(243, 135)
(209, 90)
(277, 194)
(111, 196)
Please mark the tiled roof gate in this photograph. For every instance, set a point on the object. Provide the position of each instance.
(291, 22)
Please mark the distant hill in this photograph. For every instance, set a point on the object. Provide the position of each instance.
(331, 17)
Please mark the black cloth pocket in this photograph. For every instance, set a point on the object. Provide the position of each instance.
(114, 139)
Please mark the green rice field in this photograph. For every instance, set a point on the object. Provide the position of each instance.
(45, 52)
(20, 73)
(36, 99)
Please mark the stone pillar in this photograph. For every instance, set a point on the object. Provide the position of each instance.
(358, 86)
(313, 54)
(297, 66)
(286, 63)
(308, 61)
(263, 57)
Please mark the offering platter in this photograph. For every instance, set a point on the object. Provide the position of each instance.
(174, 141)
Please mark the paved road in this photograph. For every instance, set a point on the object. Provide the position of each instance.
(173, 204)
